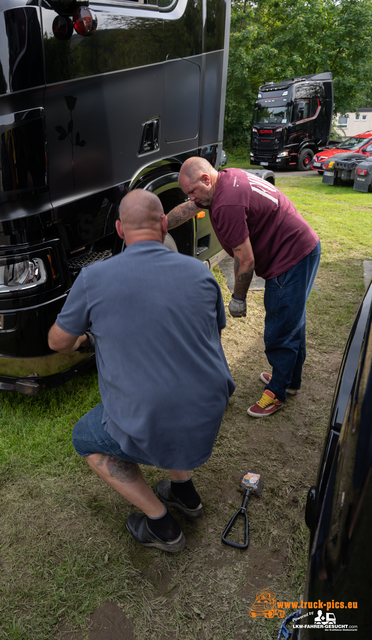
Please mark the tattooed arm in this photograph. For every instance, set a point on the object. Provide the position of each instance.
(243, 268)
(181, 213)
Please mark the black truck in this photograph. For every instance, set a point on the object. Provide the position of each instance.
(292, 121)
(94, 101)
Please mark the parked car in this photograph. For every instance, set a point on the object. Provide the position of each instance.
(223, 161)
(339, 505)
(361, 143)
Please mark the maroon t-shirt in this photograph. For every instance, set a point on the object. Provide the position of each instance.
(245, 205)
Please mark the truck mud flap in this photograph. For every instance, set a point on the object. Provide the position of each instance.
(363, 176)
(362, 183)
(329, 177)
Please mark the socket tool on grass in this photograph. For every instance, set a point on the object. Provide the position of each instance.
(251, 482)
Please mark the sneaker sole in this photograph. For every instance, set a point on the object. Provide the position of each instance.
(168, 547)
(291, 392)
(190, 514)
(262, 415)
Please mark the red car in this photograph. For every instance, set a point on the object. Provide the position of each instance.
(361, 143)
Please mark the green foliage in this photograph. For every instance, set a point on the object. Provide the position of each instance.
(276, 39)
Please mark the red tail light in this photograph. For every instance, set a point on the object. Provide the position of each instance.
(362, 172)
(85, 21)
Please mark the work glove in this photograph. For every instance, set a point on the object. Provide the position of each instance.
(237, 308)
(91, 346)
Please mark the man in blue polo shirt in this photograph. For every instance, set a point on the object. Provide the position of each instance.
(164, 381)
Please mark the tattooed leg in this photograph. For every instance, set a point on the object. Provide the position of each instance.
(126, 478)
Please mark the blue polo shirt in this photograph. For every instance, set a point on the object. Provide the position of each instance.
(163, 376)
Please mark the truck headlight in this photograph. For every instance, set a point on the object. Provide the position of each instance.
(283, 154)
(21, 274)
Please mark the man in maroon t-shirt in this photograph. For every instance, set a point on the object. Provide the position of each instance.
(260, 228)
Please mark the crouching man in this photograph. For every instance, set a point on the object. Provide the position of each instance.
(164, 381)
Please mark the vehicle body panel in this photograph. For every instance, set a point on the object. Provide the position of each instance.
(83, 121)
(339, 506)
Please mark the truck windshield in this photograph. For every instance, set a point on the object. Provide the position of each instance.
(272, 114)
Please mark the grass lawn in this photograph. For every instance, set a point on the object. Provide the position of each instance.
(69, 569)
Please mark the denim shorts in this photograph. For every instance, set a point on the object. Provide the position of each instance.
(89, 436)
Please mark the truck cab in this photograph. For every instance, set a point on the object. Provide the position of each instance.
(292, 121)
(95, 100)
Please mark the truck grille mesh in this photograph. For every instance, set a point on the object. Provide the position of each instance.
(85, 259)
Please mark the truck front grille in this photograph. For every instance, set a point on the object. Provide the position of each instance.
(76, 263)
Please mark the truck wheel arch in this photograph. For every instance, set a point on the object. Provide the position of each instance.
(166, 186)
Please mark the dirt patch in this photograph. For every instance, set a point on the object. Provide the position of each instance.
(108, 622)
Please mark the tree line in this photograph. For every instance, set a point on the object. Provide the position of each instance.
(271, 40)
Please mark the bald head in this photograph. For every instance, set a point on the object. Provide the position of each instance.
(198, 179)
(193, 168)
(142, 217)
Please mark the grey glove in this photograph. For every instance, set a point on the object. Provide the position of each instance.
(237, 308)
(91, 346)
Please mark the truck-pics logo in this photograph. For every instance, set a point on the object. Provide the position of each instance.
(265, 605)
(307, 615)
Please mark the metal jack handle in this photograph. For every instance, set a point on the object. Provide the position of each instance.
(241, 512)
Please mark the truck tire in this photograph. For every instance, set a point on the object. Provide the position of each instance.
(304, 159)
(265, 174)
(170, 243)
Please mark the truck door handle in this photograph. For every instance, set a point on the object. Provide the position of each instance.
(150, 136)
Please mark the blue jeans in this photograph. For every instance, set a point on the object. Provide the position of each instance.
(89, 436)
(285, 323)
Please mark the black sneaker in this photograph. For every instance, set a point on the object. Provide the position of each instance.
(164, 493)
(136, 524)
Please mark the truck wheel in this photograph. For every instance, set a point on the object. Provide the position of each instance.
(170, 243)
(304, 159)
